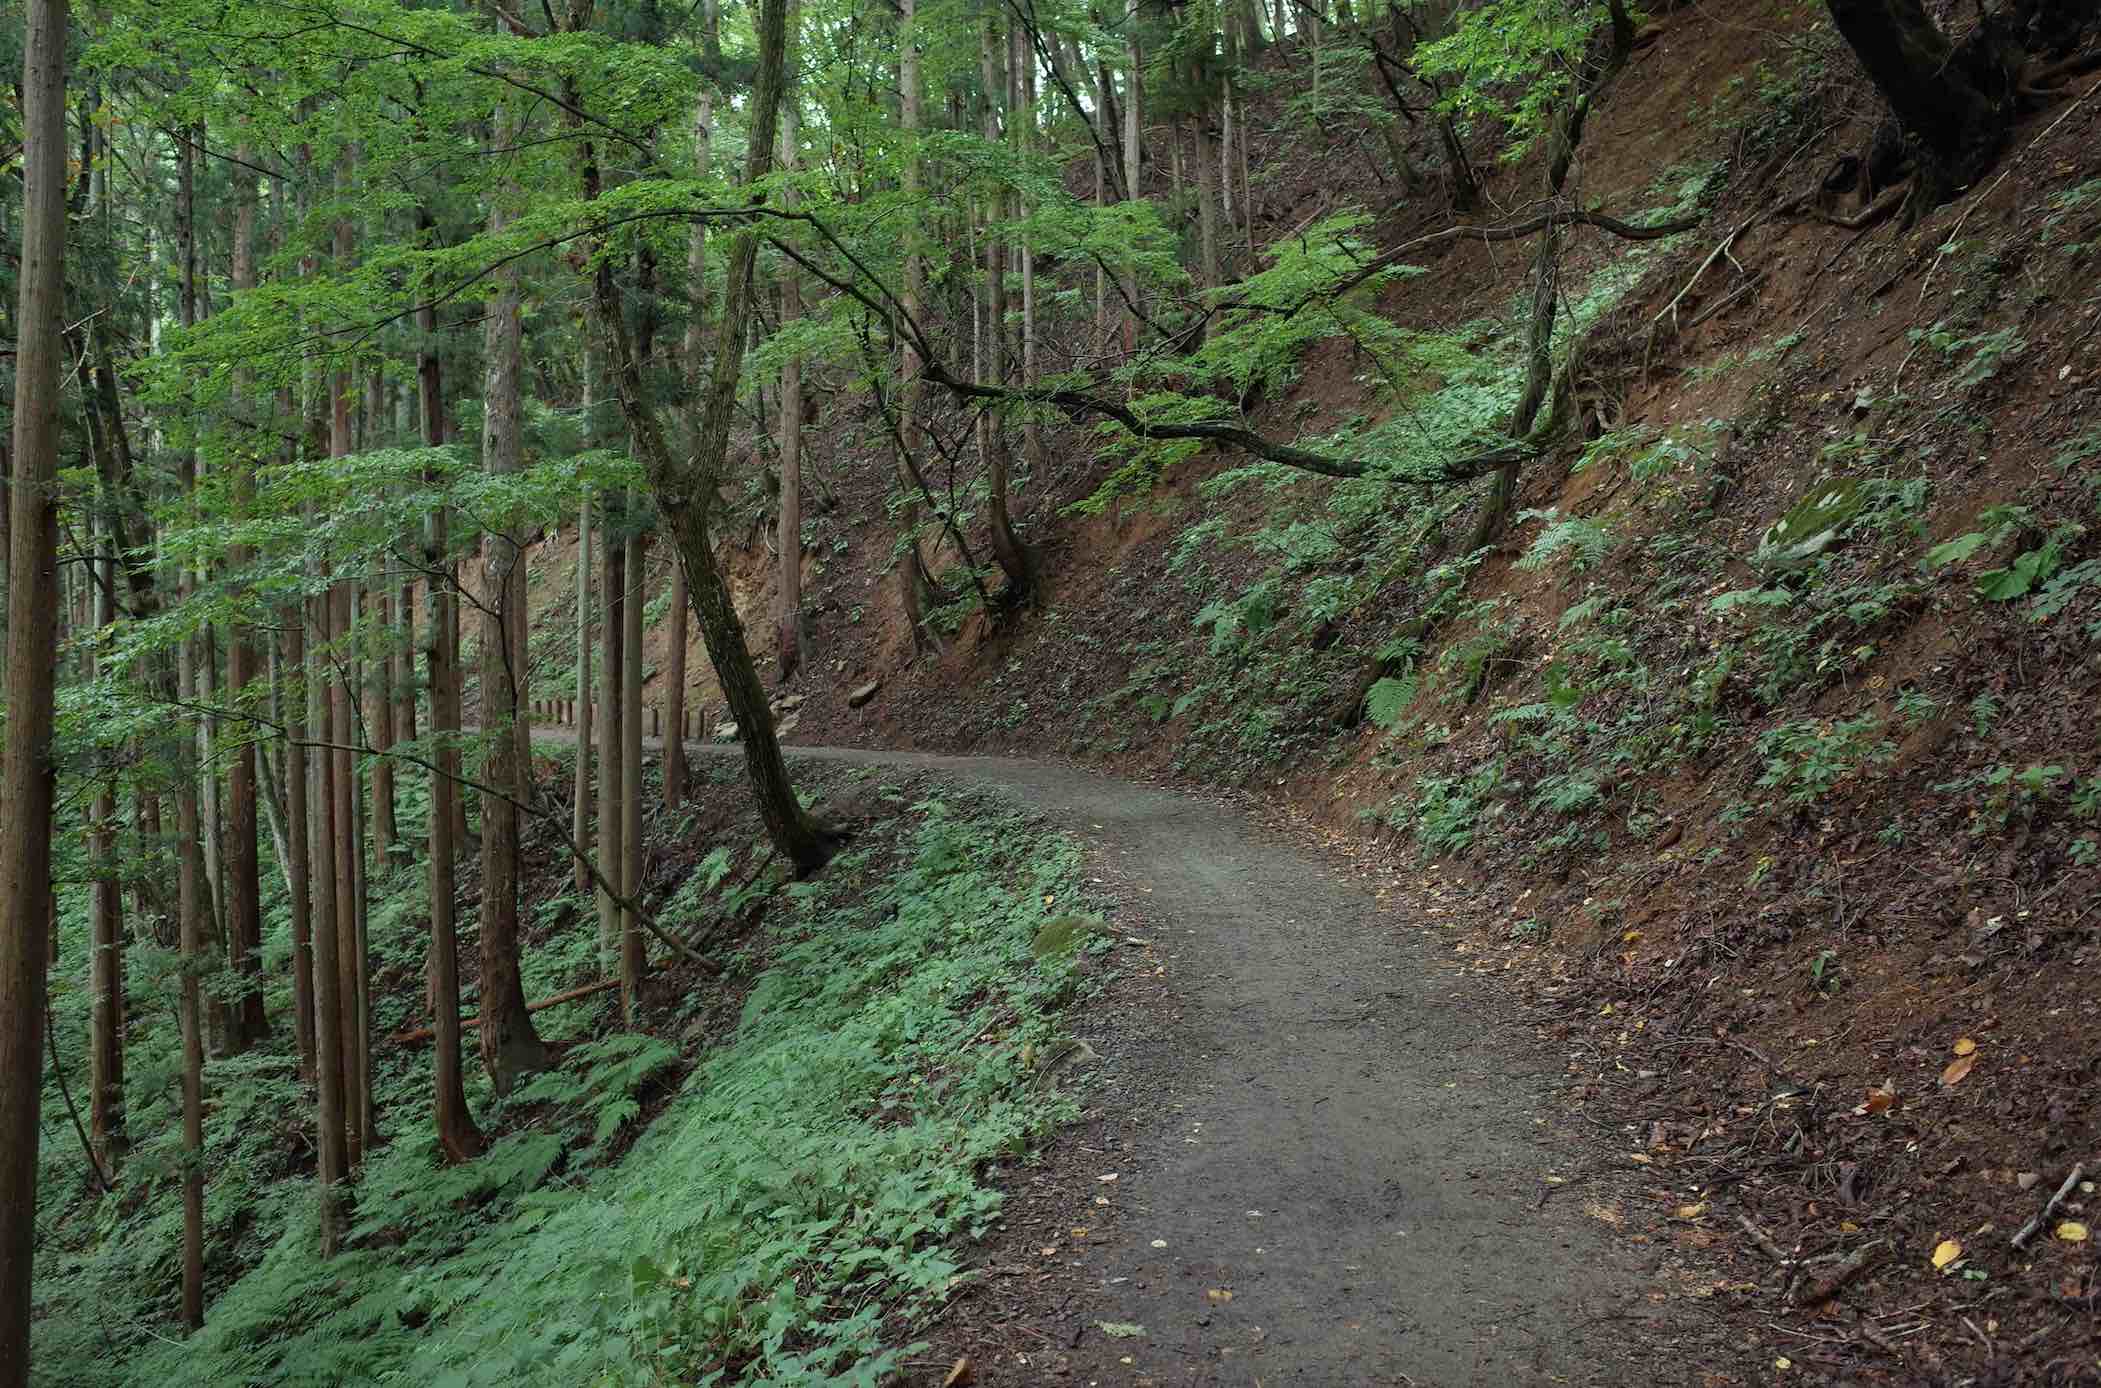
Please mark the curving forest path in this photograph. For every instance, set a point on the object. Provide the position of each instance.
(1314, 1111)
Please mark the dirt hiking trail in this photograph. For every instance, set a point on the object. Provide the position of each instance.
(1326, 1122)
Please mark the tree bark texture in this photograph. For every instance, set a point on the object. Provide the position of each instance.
(26, 773)
(580, 804)
(510, 1047)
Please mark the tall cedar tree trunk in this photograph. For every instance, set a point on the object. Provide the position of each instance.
(915, 587)
(190, 886)
(378, 686)
(1022, 67)
(106, 964)
(687, 490)
(247, 1023)
(510, 1047)
(298, 862)
(332, 1144)
(630, 879)
(632, 958)
(580, 804)
(1133, 155)
(458, 1138)
(350, 962)
(788, 618)
(612, 710)
(1013, 558)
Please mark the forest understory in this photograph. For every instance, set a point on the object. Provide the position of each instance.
(1597, 508)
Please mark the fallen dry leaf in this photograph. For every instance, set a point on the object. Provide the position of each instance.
(1946, 1252)
(1881, 1100)
(960, 1374)
(1692, 1211)
(1965, 1046)
(1957, 1069)
(1219, 1294)
(2072, 1231)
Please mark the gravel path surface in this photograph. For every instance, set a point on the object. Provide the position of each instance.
(1334, 1129)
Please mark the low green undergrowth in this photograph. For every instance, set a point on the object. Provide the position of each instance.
(801, 1195)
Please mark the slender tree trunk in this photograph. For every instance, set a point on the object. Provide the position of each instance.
(298, 859)
(1206, 170)
(632, 959)
(1022, 68)
(247, 1023)
(687, 490)
(675, 691)
(1563, 138)
(1132, 153)
(458, 1137)
(332, 1144)
(915, 585)
(510, 1047)
(612, 761)
(106, 962)
(385, 832)
(405, 676)
(580, 807)
(1007, 549)
(788, 618)
(694, 369)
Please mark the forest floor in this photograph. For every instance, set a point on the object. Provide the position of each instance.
(1316, 1146)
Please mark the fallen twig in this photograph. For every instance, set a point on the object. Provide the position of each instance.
(1829, 1285)
(1764, 1241)
(410, 1038)
(2034, 1226)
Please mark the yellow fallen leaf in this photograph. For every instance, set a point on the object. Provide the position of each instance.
(1965, 1046)
(2072, 1231)
(1692, 1211)
(1643, 1157)
(1947, 1252)
(1783, 1363)
(1957, 1069)
(1219, 1294)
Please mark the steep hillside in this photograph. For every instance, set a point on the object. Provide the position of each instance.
(1758, 754)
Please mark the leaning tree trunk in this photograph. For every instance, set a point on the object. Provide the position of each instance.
(687, 489)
